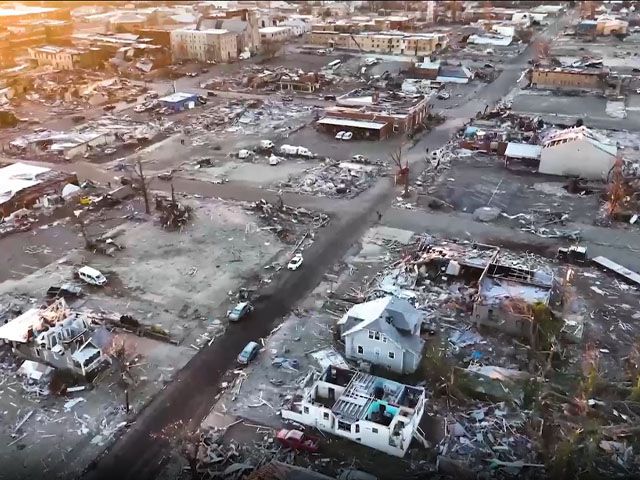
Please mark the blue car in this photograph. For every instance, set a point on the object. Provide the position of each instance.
(248, 353)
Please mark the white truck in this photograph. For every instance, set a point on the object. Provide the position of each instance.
(266, 145)
(296, 151)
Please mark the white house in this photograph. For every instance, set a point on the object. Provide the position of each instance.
(384, 332)
(275, 34)
(578, 151)
(298, 25)
(59, 337)
(373, 411)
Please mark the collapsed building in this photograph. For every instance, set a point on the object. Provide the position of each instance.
(375, 115)
(59, 337)
(23, 186)
(370, 410)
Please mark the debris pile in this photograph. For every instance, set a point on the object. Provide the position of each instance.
(285, 221)
(173, 214)
(334, 179)
(545, 223)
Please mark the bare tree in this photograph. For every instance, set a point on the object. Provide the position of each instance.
(271, 48)
(403, 171)
(616, 190)
(143, 184)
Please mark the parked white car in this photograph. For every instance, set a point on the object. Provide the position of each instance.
(340, 134)
(242, 154)
(370, 61)
(295, 262)
(347, 136)
(92, 276)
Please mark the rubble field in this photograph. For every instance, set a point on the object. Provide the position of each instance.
(496, 402)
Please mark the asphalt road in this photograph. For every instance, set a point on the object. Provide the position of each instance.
(137, 455)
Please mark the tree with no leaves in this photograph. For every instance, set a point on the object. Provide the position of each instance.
(143, 184)
(403, 171)
(271, 48)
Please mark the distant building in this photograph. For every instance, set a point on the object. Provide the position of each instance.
(66, 58)
(578, 152)
(299, 25)
(417, 44)
(179, 101)
(569, 78)
(275, 34)
(204, 45)
(384, 332)
(373, 411)
(375, 115)
(243, 23)
(12, 14)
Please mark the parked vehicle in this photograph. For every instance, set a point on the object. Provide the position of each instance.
(242, 154)
(334, 64)
(266, 144)
(295, 262)
(340, 134)
(92, 276)
(66, 290)
(151, 94)
(370, 61)
(444, 95)
(108, 108)
(297, 440)
(248, 353)
(330, 98)
(347, 136)
(241, 310)
(211, 93)
(166, 176)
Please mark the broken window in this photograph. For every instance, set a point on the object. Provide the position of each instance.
(325, 415)
(377, 335)
(374, 430)
(344, 426)
(360, 350)
(371, 334)
(305, 409)
(357, 428)
(392, 355)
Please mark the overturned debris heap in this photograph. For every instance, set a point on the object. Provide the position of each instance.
(284, 220)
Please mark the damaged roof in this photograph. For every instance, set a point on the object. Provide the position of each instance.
(18, 176)
(394, 317)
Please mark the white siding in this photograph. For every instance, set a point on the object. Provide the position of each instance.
(374, 351)
(579, 157)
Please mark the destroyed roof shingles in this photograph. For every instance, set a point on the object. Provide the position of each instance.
(18, 176)
(392, 316)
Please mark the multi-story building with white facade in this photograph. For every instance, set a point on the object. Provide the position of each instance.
(203, 45)
(373, 411)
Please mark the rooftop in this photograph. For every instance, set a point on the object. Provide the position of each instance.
(581, 133)
(18, 176)
(24, 10)
(273, 29)
(178, 97)
(345, 122)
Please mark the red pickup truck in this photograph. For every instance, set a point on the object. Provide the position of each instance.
(297, 440)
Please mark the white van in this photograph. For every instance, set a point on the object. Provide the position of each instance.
(335, 64)
(92, 276)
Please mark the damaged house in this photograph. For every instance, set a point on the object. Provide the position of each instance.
(578, 152)
(23, 185)
(373, 411)
(59, 337)
(384, 332)
(505, 294)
